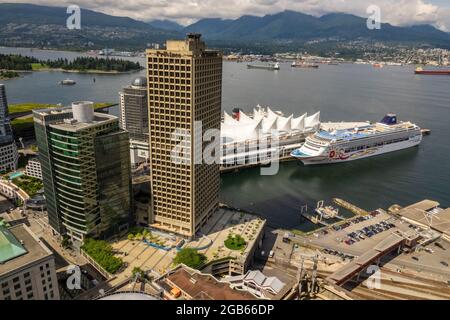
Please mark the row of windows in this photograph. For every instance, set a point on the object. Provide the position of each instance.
(161, 60)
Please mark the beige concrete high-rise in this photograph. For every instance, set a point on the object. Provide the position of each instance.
(185, 88)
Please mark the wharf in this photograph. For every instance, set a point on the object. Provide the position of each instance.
(351, 207)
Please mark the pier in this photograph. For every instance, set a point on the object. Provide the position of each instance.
(350, 207)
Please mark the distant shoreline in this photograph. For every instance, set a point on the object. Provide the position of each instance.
(71, 71)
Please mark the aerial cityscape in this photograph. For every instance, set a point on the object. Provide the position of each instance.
(288, 153)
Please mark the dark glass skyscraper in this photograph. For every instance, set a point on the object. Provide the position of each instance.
(8, 149)
(86, 170)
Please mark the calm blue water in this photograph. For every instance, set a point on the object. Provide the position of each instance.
(342, 93)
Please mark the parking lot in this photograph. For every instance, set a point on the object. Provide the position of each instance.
(357, 235)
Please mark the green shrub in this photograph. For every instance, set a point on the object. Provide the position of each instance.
(190, 257)
(102, 253)
(235, 242)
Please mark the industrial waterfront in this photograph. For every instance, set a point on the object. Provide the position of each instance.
(345, 92)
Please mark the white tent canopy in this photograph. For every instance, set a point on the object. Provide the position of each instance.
(312, 121)
(265, 122)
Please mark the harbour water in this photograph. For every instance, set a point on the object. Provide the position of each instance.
(345, 92)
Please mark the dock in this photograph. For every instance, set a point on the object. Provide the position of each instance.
(315, 219)
(351, 207)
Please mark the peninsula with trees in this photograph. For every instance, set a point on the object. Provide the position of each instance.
(15, 63)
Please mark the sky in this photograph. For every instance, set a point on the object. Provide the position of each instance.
(396, 12)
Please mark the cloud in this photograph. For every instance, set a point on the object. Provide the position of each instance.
(396, 12)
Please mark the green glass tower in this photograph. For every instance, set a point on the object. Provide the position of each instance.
(86, 171)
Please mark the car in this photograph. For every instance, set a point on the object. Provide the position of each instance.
(415, 258)
(349, 242)
(271, 254)
(437, 244)
(444, 263)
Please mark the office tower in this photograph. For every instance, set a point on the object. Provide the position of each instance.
(9, 157)
(134, 109)
(134, 119)
(86, 171)
(185, 87)
(27, 266)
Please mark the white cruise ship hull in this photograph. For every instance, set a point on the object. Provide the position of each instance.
(340, 156)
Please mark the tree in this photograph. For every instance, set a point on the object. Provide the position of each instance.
(102, 253)
(190, 257)
(139, 272)
(66, 243)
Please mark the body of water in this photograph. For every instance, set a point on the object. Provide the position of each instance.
(342, 93)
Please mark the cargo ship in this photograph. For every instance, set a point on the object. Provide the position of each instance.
(305, 65)
(270, 66)
(436, 72)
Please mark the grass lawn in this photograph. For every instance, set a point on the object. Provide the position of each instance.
(25, 107)
(22, 124)
(235, 242)
(38, 66)
(28, 106)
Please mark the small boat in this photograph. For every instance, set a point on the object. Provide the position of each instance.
(305, 65)
(435, 72)
(378, 65)
(68, 82)
(326, 212)
(270, 66)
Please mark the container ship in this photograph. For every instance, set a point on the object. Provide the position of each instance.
(436, 72)
(326, 147)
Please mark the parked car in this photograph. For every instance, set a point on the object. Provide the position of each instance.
(415, 258)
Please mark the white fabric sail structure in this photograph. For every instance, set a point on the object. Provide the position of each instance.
(270, 123)
(243, 118)
(299, 123)
(229, 120)
(265, 122)
(312, 121)
(284, 124)
(258, 112)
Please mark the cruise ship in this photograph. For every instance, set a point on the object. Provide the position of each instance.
(325, 147)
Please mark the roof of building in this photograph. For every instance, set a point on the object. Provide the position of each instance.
(139, 82)
(261, 280)
(428, 213)
(132, 296)
(22, 239)
(99, 119)
(10, 247)
(203, 286)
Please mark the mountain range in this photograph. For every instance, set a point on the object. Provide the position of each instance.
(33, 25)
(291, 25)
